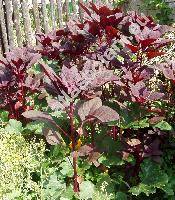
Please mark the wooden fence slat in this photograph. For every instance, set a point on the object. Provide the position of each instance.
(9, 12)
(67, 9)
(3, 27)
(80, 10)
(27, 22)
(52, 10)
(16, 10)
(1, 50)
(15, 17)
(73, 5)
(36, 16)
(60, 14)
(45, 17)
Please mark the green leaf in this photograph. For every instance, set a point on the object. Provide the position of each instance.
(106, 185)
(14, 126)
(66, 168)
(143, 123)
(137, 190)
(68, 194)
(111, 160)
(164, 126)
(168, 189)
(151, 174)
(35, 127)
(107, 144)
(87, 190)
(54, 187)
(132, 116)
(4, 116)
(121, 196)
(151, 177)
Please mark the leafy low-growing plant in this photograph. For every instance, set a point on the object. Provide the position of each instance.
(161, 10)
(19, 160)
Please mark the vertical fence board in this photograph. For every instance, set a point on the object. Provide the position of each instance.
(52, 10)
(16, 9)
(27, 22)
(73, 5)
(9, 12)
(45, 17)
(80, 10)
(36, 16)
(60, 13)
(1, 50)
(67, 9)
(3, 27)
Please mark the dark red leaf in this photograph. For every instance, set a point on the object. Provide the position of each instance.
(155, 95)
(37, 115)
(134, 49)
(111, 32)
(85, 150)
(147, 42)
(89, 107)
(153, 54)
(52, 137)
(85, 8)
(105, 114)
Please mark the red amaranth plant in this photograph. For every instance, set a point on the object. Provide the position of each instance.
(103, 57)
(100, 62)
(16, 84)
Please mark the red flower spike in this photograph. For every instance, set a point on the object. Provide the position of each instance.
(104, 11)
(147, 42)
(78, 38)
(111, 32)
(94, 28)
(61, 33)
(133, 48)
(153, 54)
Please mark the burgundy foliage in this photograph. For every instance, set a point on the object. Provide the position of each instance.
(99, 61)
(15, 83)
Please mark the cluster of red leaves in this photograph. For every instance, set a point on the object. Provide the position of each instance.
(92, 39)
(15, 83)
(108, 47)
(80, 44)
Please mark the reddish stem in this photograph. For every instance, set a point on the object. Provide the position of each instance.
(92, 135)
(76, 184)
(114, 133)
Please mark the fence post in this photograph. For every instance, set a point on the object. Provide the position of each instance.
(80, 10)
(36, 16)
(67, 9)
(27, 22)
(9, 11)
(16, 8)
(73, 6)
(52, 10)
(60, 14)
(3, 27)
(1, 48)
(45, 17)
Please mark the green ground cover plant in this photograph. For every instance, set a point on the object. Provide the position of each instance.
(161, 10)
(89, 112)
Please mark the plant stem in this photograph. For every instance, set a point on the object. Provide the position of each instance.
(75, 181)
(92, 135)
(114, 133)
